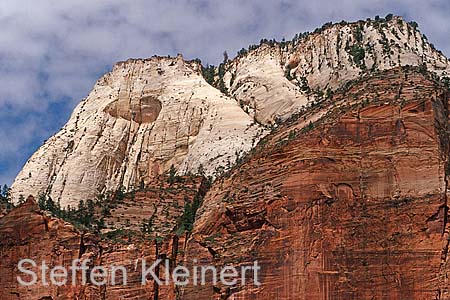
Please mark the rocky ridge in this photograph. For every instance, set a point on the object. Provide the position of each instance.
(27, 231)
(346, 198)
(347, 201)
(139, 120)
(147, 115)
(276, 79)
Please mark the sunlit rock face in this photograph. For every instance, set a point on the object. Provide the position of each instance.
(277, 80)
(138, 121)
(344, 199)
(353, 207)
(147, 115)
(348, 201)
(140, 110)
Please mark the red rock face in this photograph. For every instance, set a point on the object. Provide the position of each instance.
(161, 203)
(352, 206)
(27, 232)
(355, 208)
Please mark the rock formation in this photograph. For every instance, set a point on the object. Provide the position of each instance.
(276, 79)
(147, 115)
(138, 121)
(353, 206)
(348, 201)
(28, 232)
(345, 198)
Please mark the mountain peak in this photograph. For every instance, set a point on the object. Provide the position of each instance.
(276, 79)
(149, 114)
(140, 119)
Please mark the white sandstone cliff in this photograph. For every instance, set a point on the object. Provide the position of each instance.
(147, 115)
(139, 119)
(277, 79)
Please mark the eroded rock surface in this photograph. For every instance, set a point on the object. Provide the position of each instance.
(346, 199)
(354, 207)
(274, 81)
(27, 232)
(139, 119)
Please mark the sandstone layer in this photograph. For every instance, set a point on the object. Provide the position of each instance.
(138, 121)
(347, 201)
(352, 207)
(28, 232)
(277, 79)
(346, 198)
(149, 114)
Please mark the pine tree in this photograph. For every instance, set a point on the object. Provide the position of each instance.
(225, 57)
(5, 197)
(188, 217)
(80, 211)
(201, 170)
(42, 201)
(5, 191)
(147, 226)
(120, 194)
(208, 73)
(8, 194)
(172, 174)
(50, 205)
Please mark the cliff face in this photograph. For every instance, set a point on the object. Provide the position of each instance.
(147, 115)
(275, 80)
(345, 199)
(139, 119)
(349, 201)
(28, 232)
(353, 206)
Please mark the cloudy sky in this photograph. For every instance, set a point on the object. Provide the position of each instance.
(52, 51)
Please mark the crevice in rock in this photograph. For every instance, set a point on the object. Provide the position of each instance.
(214, 254)
(45, 223)
(175, 246)
(436, 215)
(157, 272)
(212, 251)
(82, 248)
(441, 112)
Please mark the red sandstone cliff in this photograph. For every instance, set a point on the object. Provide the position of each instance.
(28, 232)
(348, 201)
(354, 206)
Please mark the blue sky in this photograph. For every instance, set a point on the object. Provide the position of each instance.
(52, 51)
